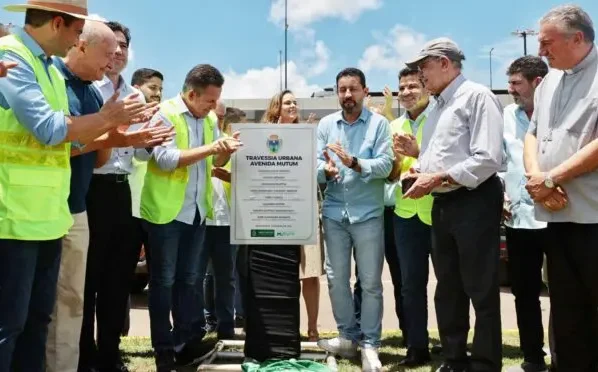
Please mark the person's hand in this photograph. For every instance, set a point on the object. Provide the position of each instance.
(405, 144)
(344, 157)
(387, 95)
(227, 145)
(535, 186)
(127, 111)
(311, 119)
(144, 137)
(556, 201)
(506, 209)
(222, 174)
(424, 183)
(330, 169)
(5, 66)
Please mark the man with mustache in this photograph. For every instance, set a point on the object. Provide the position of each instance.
(460, 156)
(412, 218)
(526, 237)
(561, 156)
(354, 158)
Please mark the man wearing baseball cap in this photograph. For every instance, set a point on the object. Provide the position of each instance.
(461, 154)
(35, 134)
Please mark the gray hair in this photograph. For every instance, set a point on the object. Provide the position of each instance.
(573, 19)
(95, 32)
(221, 103)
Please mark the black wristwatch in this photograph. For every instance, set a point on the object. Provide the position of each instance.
(354, 163)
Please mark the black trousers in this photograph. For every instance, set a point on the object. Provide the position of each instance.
(526, 256)
(465, 254)
(572, 261)
(112, 258)
(392, 259)
(272, 302)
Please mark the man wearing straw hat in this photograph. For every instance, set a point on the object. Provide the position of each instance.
(35, 135)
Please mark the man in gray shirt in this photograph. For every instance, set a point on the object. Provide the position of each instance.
(561, 158)
(461, 155)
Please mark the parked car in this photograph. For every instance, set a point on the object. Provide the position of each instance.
(141, 274)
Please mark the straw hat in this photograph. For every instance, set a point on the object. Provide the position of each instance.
(75, 8)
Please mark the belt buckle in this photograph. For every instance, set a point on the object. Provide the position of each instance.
(120, 178)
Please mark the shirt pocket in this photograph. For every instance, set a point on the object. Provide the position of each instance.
(33, 195)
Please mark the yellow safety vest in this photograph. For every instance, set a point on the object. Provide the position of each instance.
(34, 178)
(163, 192)
(407, 208)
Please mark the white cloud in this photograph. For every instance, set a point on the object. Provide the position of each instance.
(265, 82)
(392, 50)
(302, 13)
(314, 61)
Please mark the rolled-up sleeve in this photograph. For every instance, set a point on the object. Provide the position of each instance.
(321, 146)
(20, 92)
(486, 143)
(380, 165)
(166, 155)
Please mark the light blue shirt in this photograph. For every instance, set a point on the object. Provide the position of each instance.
(522, 205)
(167, 157)
(355, 197)
(21, 92)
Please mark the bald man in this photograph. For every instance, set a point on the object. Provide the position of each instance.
(84, 63)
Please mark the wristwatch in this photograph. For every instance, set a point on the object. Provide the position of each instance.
(354, 163)
(548, 182)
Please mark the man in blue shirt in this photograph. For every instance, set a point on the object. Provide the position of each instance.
(354, 159)
(525, 235)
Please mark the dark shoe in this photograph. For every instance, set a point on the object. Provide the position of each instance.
(239, 322)
(449, 367)
(530, 367)
(227, 335)
(193, 351)
(165, 361)
(416, 358)
(436, 350)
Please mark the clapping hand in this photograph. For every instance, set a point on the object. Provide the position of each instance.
(338, 150)
(227, 145)
(144, 137)
(5, 66)
(330, 168)
(405, 144)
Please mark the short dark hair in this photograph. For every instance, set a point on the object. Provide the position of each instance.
(351, 71)
(530, 67)
(407, 71)
(202, 76)
(142, 75)
(37, 18)
(116, 26)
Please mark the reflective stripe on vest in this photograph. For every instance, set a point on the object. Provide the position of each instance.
(34, 178)
(407, 208)
(163, 192)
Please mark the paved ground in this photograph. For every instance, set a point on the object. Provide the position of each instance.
(140, 317)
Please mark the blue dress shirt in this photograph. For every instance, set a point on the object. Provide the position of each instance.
(20, 91)
(522, 205)
(355, 197)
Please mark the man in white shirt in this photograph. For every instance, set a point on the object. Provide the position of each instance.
(114, 234)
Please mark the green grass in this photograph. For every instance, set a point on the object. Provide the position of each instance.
(139, 358)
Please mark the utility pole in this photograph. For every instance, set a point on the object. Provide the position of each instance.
(524, 34)
(491, 49)
(286, 30)
(280, 67)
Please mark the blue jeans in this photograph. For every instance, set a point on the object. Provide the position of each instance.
(175, 249)
(28, 277)
(414, 243)
(368, 239)
(218, 250)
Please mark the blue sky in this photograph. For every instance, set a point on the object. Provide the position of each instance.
(243, 37)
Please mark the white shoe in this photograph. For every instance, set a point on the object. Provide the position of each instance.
(339, 346)
(369, 360)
